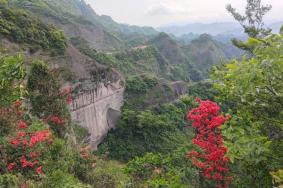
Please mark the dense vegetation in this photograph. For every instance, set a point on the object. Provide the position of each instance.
(30, 145)
(20, 26)
(253, 134)
(255, 98)
(163, 138)
(158, 130)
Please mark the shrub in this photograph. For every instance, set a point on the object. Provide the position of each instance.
(107, 174)
(61, 179)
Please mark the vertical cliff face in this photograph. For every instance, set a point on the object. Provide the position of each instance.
(99, 109)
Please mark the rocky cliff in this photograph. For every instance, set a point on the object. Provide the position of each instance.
(98, 109)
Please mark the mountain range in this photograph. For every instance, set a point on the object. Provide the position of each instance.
(214, 29)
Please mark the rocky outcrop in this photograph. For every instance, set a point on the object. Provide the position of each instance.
(98, 110)
(180, 88)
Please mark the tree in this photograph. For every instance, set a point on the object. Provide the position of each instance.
(11, 75)
(252, 21)
(252, 89)
(46, 99)
(210, 160)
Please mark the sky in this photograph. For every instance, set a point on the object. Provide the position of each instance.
(175, 12)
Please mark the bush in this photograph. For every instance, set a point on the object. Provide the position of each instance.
(61, 179)
(9, 180)
(107, 174)
(140, 84)
(159, 170)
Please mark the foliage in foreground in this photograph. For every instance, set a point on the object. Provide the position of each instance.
(252, 90)
(33, 153)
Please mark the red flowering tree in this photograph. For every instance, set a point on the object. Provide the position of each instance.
(210, 159)
(26, 148)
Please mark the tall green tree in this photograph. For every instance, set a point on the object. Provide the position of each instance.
(251, 21)
(253, 91)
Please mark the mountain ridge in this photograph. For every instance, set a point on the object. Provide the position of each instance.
(215, 28)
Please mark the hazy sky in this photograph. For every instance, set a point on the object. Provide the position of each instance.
(163, 12)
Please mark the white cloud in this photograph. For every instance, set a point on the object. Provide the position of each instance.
(158, 10)
(166, 8)
(163, 12)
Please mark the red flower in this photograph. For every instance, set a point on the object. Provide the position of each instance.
(192, 153)
(25, 163)
(22, 125)
(69, 99)
(66, 91)
(40, 136)
(15, 142)
(24, 185)
(11, 166)
(21, 134)
(24, 142)
(39, 170)
(56, 119)
(85, 155)
(34, 155)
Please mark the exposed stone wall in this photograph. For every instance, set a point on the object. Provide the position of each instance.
(98, 110)
(180, 88)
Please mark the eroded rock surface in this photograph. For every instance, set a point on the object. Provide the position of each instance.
(98, 110)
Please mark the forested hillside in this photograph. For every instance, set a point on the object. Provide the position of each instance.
(61, 62)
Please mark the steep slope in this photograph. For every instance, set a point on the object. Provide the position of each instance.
(205, 52)
(69, 16)
(80, 21)
(22, 32)
(169, 48)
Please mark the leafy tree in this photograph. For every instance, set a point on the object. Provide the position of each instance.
(47, 101)
(11, 75)
(252, 89)
(140, 84)
(252, 21)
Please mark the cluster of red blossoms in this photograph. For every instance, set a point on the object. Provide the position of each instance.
(55, 119)
(8, 111)
(85, 153)
(26, 142)
(68, 93)
(211, 160)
